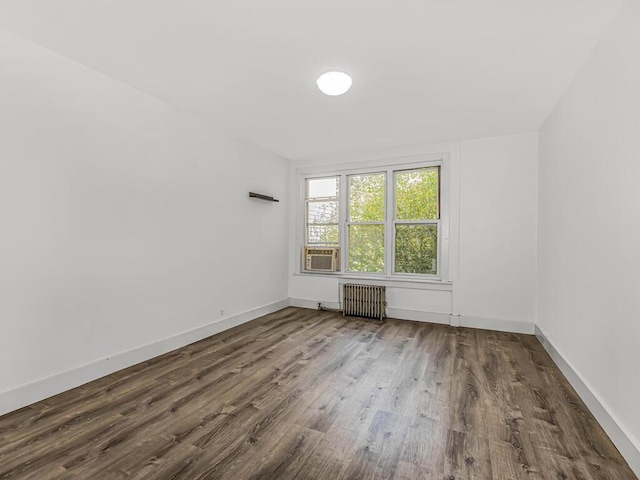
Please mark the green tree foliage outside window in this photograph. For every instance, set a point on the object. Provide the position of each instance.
(417, 199)
(416, 248)
(417, 208)
(366, 198)
(366, 248)
(417, 194)
(367, 204)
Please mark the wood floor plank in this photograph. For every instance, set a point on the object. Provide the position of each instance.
(468, 456)
(409, 471)
(281, 459)
(310, 394)
(378, 454)
(423, 447)
(332, 455)
(437, 380)
(470, 395)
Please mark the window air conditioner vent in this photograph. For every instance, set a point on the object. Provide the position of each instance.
(321, 259)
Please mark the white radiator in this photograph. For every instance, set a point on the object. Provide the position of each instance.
(364, 300)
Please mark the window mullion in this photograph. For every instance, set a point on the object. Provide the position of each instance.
(342, 219)
(417, 222)
(389, 243)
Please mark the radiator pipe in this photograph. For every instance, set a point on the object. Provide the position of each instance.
(325, 309)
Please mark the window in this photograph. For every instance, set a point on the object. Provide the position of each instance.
(322, 211)
(366, 223)
(386, 221)
(417, 218)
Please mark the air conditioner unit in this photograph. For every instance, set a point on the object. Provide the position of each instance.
(321, 259)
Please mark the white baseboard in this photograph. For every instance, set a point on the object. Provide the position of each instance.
(432, 317)
(511, 326)
(30, 393)
(398, 313)
(312, 304)
(628, 446)
(418, 316)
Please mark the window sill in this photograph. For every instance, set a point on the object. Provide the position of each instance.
(392, 282)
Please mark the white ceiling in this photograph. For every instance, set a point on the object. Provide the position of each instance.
(423, 71)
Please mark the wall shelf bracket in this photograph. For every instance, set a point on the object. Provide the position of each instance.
(260, 196)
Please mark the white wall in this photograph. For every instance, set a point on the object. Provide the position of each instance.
(122, 222)
(589, 230)
(493, 187)
(498, 225)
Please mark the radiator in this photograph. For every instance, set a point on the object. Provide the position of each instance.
(364, 300)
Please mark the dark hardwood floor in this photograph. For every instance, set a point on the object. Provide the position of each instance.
(312, 395)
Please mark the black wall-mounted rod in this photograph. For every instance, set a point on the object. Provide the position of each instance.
(263, 197)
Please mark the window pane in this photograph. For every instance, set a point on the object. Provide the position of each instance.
(322, 187)
(322, 234)
(366, 248)
(416, 249)
(417, 194)
(366, 198)
(322, 212)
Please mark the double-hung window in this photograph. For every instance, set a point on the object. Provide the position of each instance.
(321, 207)
(386, 221)
(416, 223)
(366, 223)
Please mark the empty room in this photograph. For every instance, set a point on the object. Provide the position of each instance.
(319, 240)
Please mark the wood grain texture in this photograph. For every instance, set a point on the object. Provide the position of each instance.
(302, 394)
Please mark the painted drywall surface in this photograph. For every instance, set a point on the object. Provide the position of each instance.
(498, 222)
(495, 273)
(122, 221)
(589, 229)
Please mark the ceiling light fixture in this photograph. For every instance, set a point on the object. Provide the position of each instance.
(334, 83)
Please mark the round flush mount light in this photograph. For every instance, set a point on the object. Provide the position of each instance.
(334, 83)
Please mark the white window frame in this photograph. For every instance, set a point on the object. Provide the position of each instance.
(394, 222)
(307, 200)
(390, 168)
(347, 222)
